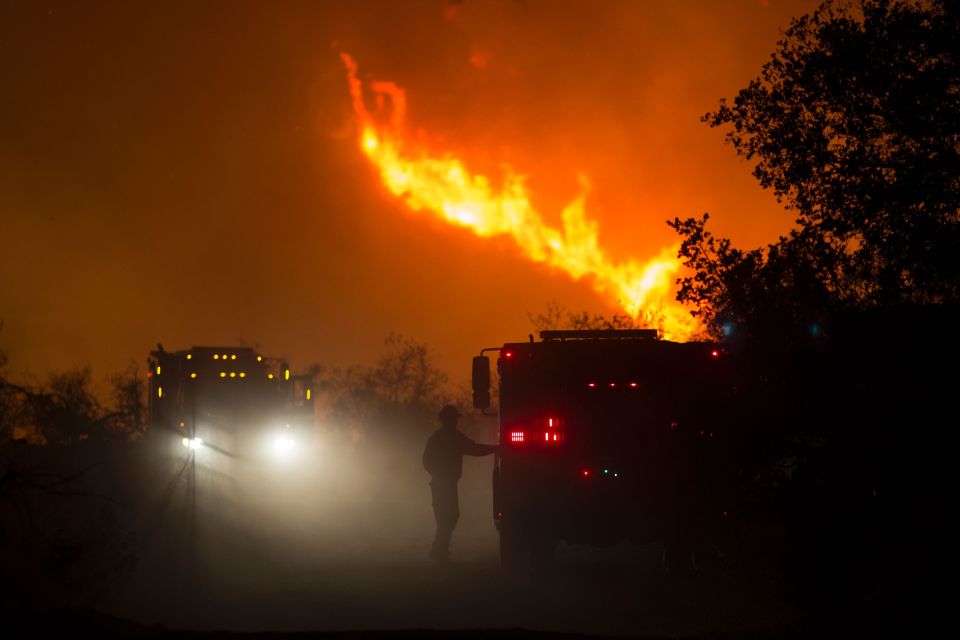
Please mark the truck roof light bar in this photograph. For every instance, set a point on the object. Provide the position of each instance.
(600, 334)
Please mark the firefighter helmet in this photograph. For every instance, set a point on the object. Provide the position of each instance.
(449, 413)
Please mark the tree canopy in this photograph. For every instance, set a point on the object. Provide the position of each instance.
(854, 122)
(401, 393)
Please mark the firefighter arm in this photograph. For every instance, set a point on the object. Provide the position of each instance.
(472, 448)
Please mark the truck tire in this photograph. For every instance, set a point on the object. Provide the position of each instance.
(522, 549)
(543, 552)
(513, 548)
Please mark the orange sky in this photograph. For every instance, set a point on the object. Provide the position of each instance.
(189, 174)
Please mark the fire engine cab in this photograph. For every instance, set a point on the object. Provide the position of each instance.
(605, 436)
(232, 400)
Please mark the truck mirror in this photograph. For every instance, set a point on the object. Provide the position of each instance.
(481, 382)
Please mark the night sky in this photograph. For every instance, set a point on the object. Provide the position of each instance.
(189, 173)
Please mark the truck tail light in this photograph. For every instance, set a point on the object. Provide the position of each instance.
(546, 431)
(548, 423)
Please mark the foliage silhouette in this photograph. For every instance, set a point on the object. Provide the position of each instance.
(402, 391)
(65, 410)
(557, 316)
(855, 125)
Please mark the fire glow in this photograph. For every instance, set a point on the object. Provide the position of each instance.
(442, 185)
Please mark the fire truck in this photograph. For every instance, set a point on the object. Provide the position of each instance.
(230, 400)
(607, 436)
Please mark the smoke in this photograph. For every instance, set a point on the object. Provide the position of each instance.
(335, 540)
(234, 543)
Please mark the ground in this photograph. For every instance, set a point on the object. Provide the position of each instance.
(325, 545)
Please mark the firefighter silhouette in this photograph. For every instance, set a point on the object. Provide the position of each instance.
(443, 459)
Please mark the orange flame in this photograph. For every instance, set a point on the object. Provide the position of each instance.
(443, 186)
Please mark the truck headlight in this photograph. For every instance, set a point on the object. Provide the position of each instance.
(282, 445)
(192, 443)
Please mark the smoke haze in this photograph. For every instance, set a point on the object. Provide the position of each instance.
(189, 173)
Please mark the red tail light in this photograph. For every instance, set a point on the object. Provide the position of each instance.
(549, 423)
(547, 432)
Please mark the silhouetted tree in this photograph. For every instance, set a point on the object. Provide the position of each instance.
(559, 317)
(406, 374)
(791, 282)
(8, 402)
(65, 410)
(128, 391)
(403, 390)
(855, 124)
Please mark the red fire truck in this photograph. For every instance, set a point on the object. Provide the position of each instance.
(606, 436)
(231, 400)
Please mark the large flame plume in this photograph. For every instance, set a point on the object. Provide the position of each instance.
(444, 187)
